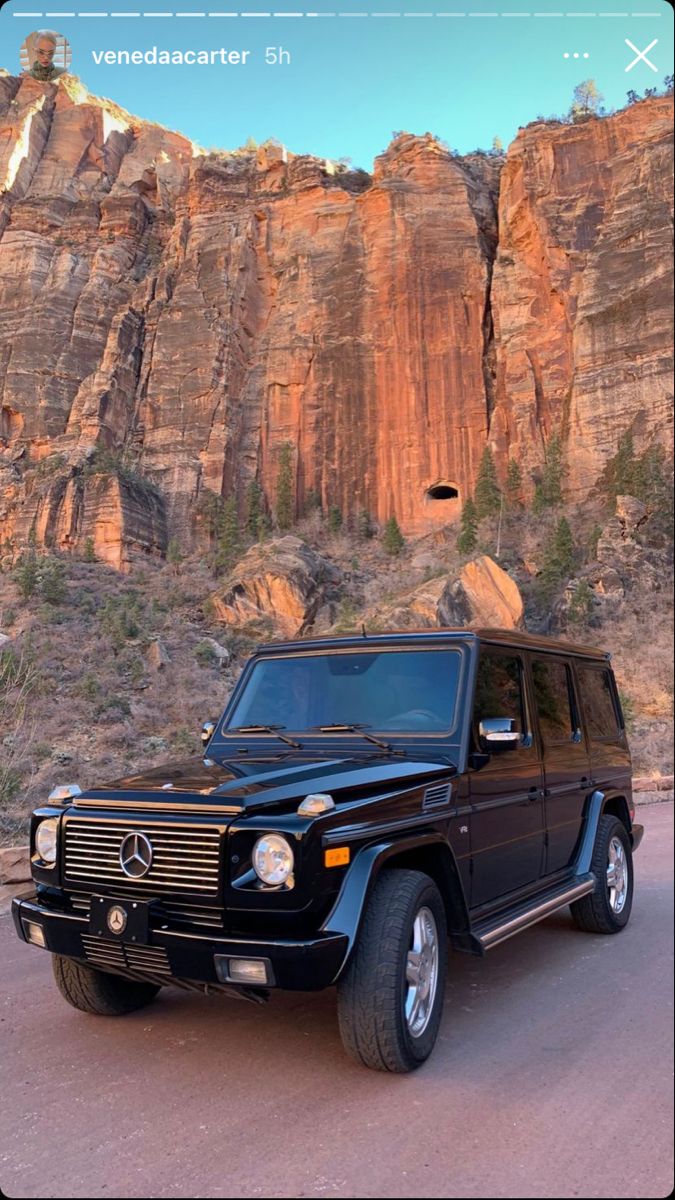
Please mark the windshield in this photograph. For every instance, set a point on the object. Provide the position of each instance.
(401, 691)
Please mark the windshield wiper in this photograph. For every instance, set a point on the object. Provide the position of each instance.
(343, 727)
(267, 729)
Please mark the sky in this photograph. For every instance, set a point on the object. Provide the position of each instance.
(478, 71)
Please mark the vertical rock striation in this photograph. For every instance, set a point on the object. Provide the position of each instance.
(190, 313)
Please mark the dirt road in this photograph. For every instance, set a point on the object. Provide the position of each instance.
(552, 1078)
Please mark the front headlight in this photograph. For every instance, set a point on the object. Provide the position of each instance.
(45, 840)
(272, 859)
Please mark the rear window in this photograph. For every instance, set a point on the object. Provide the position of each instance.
(597, 698)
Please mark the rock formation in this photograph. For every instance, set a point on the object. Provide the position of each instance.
(482, 595)
(283, 583)
(190, 313)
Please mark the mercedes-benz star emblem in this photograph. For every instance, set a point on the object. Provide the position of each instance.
(136, 855)
(117, 919)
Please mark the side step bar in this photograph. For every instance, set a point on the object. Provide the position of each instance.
(494, 930)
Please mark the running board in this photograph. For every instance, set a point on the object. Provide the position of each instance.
(494, 930)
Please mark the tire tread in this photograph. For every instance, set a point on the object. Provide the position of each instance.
(93, 991)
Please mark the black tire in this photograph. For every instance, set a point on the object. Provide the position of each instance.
(595, 913)
(372, 992)
(97, 992)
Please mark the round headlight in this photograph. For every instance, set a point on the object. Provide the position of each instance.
(272, 859)
(45, 840)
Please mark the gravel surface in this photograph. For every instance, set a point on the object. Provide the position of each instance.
(552, 1078)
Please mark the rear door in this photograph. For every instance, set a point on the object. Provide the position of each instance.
(507, 821)
(565, 752)
(608, 748)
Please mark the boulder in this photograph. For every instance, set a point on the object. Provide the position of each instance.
(14, 864)
(157, 655)
(416, 609)
(283, 581)
(221, 656)
(483, 594)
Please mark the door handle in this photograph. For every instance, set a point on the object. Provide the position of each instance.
(535, 793)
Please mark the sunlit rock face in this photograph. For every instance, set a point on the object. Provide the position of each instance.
(191, 313)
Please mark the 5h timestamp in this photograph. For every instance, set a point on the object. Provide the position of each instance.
(276, 56)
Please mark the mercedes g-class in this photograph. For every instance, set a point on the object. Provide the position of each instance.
(361, 801)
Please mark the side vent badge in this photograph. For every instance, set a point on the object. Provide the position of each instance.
(437, 796)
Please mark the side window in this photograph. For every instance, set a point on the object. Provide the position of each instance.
(499, 690)
(552, 694)
(597, 698)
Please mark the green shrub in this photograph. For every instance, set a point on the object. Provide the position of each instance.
(53, 581)
(393, 540)
(334, 518)
(27, 573)
(206, 655)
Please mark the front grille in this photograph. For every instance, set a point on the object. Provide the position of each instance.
(185, 859)
(169, 914)
(147, 962)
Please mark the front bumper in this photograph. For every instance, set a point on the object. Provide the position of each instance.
(297, 965)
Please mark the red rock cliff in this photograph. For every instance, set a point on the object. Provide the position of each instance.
(194, 312)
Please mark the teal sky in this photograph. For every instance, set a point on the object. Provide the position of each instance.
(352, 80)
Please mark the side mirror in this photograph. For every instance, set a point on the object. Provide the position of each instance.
(498, 733)
(208, 730)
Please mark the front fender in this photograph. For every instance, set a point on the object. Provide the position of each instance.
(347, 913)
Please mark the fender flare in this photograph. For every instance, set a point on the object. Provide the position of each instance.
(347, 912)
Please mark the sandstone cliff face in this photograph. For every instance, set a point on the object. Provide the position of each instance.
(197, 311)
(583, 289)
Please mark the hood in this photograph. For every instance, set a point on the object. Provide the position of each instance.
(250, 786)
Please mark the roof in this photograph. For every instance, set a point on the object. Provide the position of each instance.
(502, 637)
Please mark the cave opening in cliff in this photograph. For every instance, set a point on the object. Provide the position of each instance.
(443, 491)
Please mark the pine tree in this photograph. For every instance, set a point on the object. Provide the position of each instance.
(254, 507)
(558, 561)
(285, 511)
(581, 603)
(553, 473)
(538, 501)
(229, 538)
(620, 476)
(487, 496)
(514, 483)
(27, 573)
(334, 518)
(364, 528)
(174, 555)
(587, 100)
(393, 540)
(53, 582)
(468, 538)
(89, 553)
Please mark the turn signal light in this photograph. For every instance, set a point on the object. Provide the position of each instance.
(339, 857)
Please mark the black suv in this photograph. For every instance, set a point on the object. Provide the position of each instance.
(362, 800)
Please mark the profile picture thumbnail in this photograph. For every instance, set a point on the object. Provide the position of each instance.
(45, 55)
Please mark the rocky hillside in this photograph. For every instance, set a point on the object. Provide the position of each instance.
(103, 672)
(196, 314)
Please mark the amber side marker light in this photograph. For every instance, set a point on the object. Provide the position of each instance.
(339, 857)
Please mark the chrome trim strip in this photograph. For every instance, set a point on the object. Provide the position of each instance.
(165, 806)
(509, 928)
(355, 833)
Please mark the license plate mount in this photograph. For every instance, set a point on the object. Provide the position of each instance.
(120, 920)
